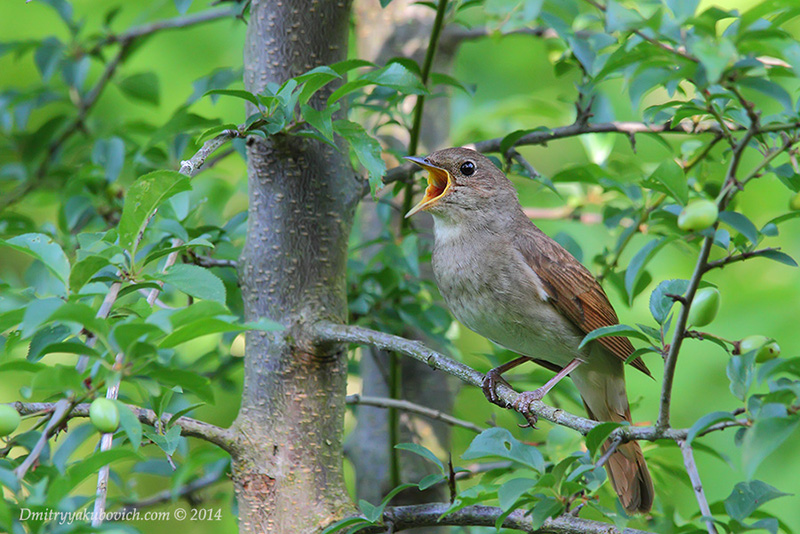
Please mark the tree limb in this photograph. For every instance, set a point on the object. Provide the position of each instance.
(405, 517)
(414, 408)
(540, 137)
(166, 24)
(222, 437)
(338, 333)
(187, 491)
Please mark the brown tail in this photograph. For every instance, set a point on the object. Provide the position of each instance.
(628, 473)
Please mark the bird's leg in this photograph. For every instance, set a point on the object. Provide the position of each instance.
(524, 400)
(493, 377)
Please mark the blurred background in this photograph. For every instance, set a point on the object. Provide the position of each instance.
(515, 87)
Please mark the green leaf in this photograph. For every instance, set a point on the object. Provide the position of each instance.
(194, 280)
(769, 88)
(741, 224)
(715, 56)
(763, 438)
(740, 373)
(236, 93)
(671, 175)
(182, 5)
(660, 303)
(321, 120)
(130, 424)
(500, 443)
(109, 154)
(143, 87)
(746, 497)
(544, 510)
(598, 435)
(84, 269)
(366, 149)
(199, 328)
(371, 512)
(779, 256)
(619, 18)
(143, 197)
(168, 441)
(707, 421)
(510, 492)
(43, 248)
(421, 451)
(511, 139)
(614, 330)
(430, 480)
(638, 262)
(344, 523)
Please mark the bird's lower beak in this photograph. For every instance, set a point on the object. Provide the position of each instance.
(438, 183)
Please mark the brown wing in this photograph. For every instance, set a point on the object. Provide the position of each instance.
(573, 290)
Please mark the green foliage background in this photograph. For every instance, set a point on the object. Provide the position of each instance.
(515, 88)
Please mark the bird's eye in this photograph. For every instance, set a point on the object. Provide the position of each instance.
(468, 168)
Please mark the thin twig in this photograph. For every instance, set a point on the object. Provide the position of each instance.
(207, 261)
(166, 24)
(542, 137)
(222, 437)
(655, 42)
(407, 406)
(102, 313)
(697, 485)
(59, 412)
(609, 451)
(718, 264)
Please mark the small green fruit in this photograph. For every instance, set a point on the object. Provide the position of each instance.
(767, 349)
(698, 215)
(770, 351)
(9, 420)
(794, 203)
(704, 306)
(104, 415)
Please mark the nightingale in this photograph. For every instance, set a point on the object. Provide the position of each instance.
(503, 278)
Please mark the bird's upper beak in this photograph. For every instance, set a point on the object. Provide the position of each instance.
(439, 182)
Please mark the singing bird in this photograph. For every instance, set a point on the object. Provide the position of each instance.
(505, 279)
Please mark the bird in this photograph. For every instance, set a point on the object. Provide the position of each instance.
(505, 279)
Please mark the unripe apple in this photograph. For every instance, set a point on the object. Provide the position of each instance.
(104, 415)
(9, 419)
(794, 202)
(698, 215)
(767, 349)
(704, 306)
(770, 351)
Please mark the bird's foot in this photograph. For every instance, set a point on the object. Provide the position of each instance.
(523, 405)
(489, 387)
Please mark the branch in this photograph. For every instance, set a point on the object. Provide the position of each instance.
(541, 137)
(166, 24)
(336, 333)
(191, 166)
(739, 257)
(59, 413)
(697, 485)
(423, 515)
(222, 437)
(655, 42)
(206, 261)
(406, 406)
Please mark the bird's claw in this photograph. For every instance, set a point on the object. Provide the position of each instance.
(489, 387)
(523, 405)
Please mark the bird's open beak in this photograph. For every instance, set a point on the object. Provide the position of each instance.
(438, 183)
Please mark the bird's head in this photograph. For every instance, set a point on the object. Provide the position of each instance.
(460, 182)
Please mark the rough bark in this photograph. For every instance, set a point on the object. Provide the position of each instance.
(302, 201)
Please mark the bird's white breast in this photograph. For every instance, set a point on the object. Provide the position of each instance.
(490, 288)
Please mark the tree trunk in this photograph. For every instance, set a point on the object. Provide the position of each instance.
(303, 193)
